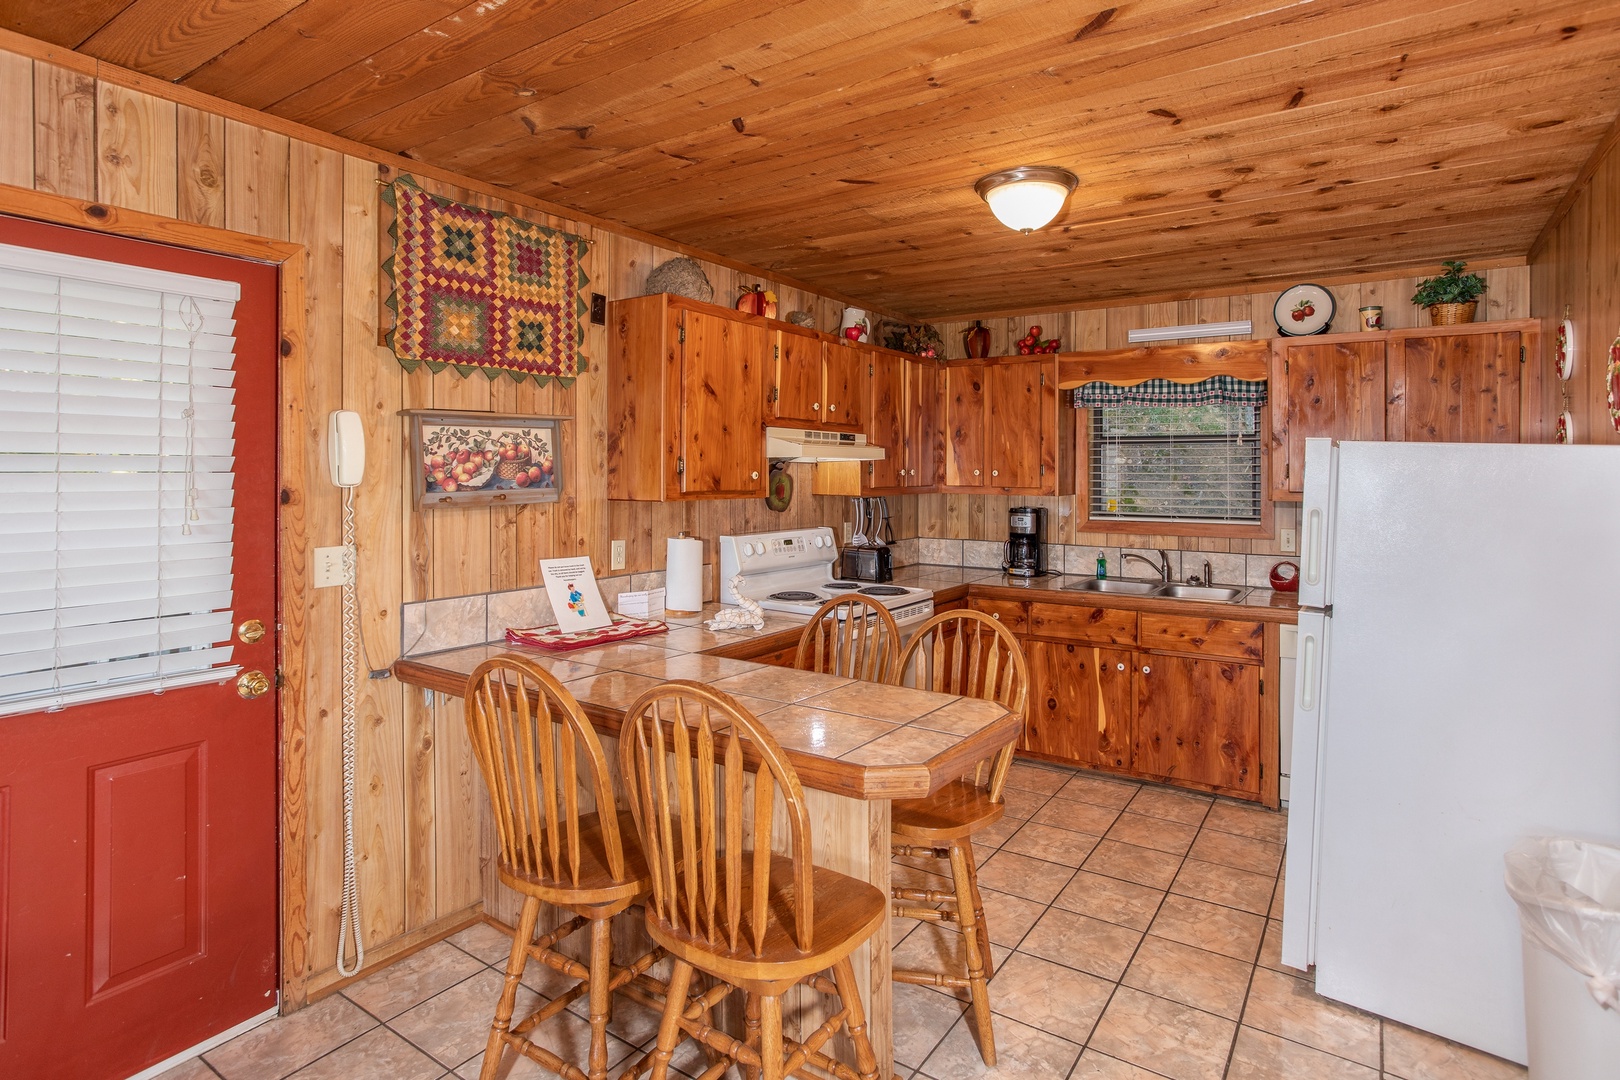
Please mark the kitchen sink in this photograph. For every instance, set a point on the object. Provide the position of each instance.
(1218, 594)
(1124, 586)
(1221, 594)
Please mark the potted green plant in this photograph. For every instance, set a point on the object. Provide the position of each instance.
(1452, 297)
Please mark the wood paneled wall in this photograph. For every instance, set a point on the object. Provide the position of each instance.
(1576, 267)
(984, 517)
(65, 130)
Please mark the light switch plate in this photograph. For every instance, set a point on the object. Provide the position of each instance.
(329, 568)
(617, 557)
(1288, 541)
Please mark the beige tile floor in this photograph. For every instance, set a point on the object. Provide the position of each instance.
(1135, 929)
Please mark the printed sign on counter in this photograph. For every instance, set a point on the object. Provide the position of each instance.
(575, 600)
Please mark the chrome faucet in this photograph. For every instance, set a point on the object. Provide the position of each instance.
(1162, 569)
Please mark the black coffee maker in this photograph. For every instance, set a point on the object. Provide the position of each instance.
(1025, 553)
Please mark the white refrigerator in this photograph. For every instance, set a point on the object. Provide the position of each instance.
(1458, 687)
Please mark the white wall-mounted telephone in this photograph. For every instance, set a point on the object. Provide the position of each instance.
(346, 458)
(346, 448)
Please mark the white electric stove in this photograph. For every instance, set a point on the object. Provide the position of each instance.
(792, 571)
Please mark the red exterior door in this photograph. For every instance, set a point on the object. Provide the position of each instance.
(138, 863)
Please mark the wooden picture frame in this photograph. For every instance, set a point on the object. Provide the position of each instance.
(524, 461)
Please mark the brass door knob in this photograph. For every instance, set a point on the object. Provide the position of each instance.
(252, 684)
(250, 632)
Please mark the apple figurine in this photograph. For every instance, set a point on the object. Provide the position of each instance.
(853, 333)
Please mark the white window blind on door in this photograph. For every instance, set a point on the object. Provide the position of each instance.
(116, 479)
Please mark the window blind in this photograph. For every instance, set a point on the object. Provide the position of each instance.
(1196, 463)
(116, 479)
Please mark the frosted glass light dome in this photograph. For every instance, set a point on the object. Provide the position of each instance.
(1027, 197)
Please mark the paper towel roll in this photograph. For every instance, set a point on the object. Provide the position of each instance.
(683, 576)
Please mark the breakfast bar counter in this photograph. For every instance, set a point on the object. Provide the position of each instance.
(855, 746)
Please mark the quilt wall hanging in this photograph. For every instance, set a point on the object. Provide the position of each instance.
(479, 290)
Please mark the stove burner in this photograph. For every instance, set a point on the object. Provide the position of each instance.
(794, 595)
(883, 590)
(840, 586)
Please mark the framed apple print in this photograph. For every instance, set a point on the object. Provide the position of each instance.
(479, 459)
(1303, 310)
(1564, 350)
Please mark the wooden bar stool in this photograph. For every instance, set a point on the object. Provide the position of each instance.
(537, 751)
(723, 902)
(853, 636)
(970, 654)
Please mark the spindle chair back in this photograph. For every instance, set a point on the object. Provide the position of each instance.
(853, 636)
(970, 654)
(536, 750)
(685, 749)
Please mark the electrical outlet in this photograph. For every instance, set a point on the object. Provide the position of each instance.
(329, 568)
(849, 531)
(617, 557)
(1287, 541)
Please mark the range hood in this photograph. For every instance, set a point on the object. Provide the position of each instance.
(803, 444)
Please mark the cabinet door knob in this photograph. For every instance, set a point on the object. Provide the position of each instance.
(1122, 667)
(816, 405)
(1146, 670)
(832, 408)
(975, 472)
(996, 615)
(753, 476)
(995, 472)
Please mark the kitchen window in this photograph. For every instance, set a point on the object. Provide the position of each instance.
(1182, 459)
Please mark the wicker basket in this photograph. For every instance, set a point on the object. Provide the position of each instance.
(509, 470)
(1452, 314)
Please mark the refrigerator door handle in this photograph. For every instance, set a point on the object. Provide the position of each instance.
(1313, 546)
(1309, 660)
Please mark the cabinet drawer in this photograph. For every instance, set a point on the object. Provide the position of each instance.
(1009, 613)
(1209, 637)
(1079, 622)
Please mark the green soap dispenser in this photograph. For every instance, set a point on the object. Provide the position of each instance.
(1102, 566)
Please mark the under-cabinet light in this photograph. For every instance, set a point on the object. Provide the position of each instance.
(1209, 329)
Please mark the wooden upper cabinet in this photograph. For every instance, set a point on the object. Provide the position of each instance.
(846, 374)
(1448, 386)
(1322, 388)
(925, 393)
(686, 387)
(886, 424)
(1004, 430)
(1021, 450)
(723, 405)
(800, 360)
(966, 416)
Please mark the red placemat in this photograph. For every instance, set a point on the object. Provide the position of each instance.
(554, 639)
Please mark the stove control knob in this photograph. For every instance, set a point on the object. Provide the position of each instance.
(748, 549)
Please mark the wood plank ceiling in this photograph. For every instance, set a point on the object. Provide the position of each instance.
(1218, 142)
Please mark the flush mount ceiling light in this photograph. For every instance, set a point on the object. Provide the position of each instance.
(1027, 197)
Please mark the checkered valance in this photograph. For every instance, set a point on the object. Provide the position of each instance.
(1217, 390)
(478, 290)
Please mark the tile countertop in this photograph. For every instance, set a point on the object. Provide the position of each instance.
(952, 582)
(851, 738)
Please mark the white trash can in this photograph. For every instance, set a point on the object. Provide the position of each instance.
(1568, 892)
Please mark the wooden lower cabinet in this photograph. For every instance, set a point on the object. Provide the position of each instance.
(1079, 703)
(1197, 721)
(1098, 697)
